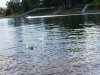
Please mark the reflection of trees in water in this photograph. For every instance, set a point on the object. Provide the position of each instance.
(21, 21)
(96, 19)
(57, 22)
(15, 22)
(72, 22)
(33, 21)
(17, 32)
(67, 21)
(85, 18)
(49, 23)
(75, 21)
(91, 20)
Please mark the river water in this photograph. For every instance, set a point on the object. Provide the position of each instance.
(68, 45)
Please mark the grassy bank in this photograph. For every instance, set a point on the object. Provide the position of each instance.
(75, 10)
(56, 12)
(47, 12)
(10, 16)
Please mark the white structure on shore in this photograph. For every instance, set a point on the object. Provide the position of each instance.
(85, 7)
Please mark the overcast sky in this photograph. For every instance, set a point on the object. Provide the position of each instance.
(3, 3)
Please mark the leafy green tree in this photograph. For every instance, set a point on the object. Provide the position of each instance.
(96, 5)
(34, 3)
(13, 6)
(2, 10)
(16, 1)
(26, 5)
(46, 3)
(10, 6)
(55, 3)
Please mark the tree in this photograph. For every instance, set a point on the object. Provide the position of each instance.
(2, 10)
(10, 6)
(25, 5)
(16, 1)
(34, 3)
(96, 5)
(13, 6)
(47, 3)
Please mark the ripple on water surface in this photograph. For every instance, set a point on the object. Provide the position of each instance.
(50, 46)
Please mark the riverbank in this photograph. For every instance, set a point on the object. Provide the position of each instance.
(62, 12)
(10, 16)
(55, 12)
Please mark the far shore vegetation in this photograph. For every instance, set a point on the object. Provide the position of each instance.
(61, 7)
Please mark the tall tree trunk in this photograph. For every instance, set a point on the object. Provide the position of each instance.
(96, 5)
(84, 1)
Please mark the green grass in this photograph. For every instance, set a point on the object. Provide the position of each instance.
(98, 2)
(10, 16)
(42, 12)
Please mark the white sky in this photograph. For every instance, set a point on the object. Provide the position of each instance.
(3, 3)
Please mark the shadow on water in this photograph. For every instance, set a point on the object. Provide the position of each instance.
(91, 20)
(69, 22)
(16, 22)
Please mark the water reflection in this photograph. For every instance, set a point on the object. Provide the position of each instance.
(56, 35)
(68, 22)
(55, 41)
(91, 20)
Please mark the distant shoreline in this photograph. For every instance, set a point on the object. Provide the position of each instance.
(55, 12)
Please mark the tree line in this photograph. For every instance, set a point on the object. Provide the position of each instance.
(20, 6)
(2, 11)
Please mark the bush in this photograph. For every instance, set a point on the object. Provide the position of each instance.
(8, 12)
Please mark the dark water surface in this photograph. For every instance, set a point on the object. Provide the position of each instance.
(67, 45)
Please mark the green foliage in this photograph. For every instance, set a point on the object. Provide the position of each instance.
(34, 3)
(8, 12)
(15, 6)
(26, 5)
(12, 7)
(30, 4)
(93, 3)
(2, 10)
(46, 3)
